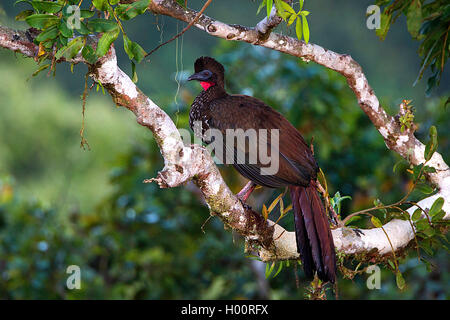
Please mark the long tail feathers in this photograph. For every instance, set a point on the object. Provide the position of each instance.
(313, 234)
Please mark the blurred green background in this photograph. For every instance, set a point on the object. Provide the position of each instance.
(61, 205)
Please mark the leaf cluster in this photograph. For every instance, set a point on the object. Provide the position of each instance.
(65, 27)
(428, 22)
(289, 15)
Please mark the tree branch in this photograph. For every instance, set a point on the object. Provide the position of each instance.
(184, 163)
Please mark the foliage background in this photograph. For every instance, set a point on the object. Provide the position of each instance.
(61, 205)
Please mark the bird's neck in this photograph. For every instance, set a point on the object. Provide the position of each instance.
(211, 92)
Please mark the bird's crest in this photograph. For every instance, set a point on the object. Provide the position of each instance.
(208, 63)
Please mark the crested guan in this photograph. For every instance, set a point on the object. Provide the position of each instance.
(215, 109)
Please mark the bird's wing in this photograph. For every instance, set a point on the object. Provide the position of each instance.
(296, 164)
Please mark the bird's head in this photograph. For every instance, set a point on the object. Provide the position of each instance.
(208, 72)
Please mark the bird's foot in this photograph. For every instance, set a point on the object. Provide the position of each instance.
(244, 204)
(246, 191)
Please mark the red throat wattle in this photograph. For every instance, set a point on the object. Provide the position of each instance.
(206, 85)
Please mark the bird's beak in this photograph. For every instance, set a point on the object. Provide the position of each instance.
(198, 77)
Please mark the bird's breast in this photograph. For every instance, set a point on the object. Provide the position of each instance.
(200, 118)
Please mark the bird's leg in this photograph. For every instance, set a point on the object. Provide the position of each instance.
(245, 193)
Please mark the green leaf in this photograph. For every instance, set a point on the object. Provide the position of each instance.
(281, 11)
(101, 5)
(438, 216)
(431, 146)
(428, 169)
(279, 269)
(385, 23)
(65, 31)
(391, 264)
(71, 50)
(86, 13)
(129, 11)
(63, 40)
(352, 219)
(417, 171)
(428, 231)
(138, 51)
(298, 29)
(105, 41)
(83, 29)
(398, 164)
(291, 19)
(269, 7)
(41, 68)
(305, 29)
(89, 54)
(102, 25)
(426, 246)
(437, 206)
(422, 224)
(416, 215)
(424, 188)
(134, 77)
(400, 280)
(22, 15)
(46, 6)
(261, 5)
(133, 50)
(287, 7)
(41, 21)
(376, 222)
(48, 34)
(414, 18)
(19, 1)
(269, 269)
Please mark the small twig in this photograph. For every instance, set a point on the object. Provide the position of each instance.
(280, 235)
(207, 3)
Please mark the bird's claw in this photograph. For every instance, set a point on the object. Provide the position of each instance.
(245, 205)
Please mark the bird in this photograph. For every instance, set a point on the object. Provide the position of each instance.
(215, 109)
